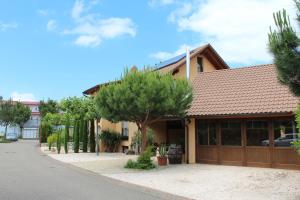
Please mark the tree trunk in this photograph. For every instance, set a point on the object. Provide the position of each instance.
(92, 137)
(144, 137)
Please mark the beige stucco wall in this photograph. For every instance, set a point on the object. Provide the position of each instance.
(160, 130)
(192, 142)
(207, 67)
(107, 125)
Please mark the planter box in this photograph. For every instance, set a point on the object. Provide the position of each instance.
(162, 161)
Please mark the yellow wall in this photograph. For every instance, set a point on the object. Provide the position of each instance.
(192, 141)
(160, 130)
(107, 125)
(207, 67)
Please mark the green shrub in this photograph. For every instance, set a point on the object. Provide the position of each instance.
(111, 140)
(58, 141)
(51, 140)
(143, 162)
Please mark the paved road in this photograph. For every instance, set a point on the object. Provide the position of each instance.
(27, 174)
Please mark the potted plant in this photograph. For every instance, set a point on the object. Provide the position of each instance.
(162, 159)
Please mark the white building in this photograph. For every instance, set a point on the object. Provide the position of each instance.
(31, 127)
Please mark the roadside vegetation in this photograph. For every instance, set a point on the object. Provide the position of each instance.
(69, 121)
(284, 44)
(13, 113)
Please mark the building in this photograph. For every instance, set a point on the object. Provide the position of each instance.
(241, 116)
(31, 127)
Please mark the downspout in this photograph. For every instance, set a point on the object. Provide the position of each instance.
(187, 121)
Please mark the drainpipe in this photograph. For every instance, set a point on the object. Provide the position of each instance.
(188, 58)
(187, 121)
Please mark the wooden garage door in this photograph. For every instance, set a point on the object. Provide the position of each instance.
(253, 142)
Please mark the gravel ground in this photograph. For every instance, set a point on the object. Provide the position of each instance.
(198, 181)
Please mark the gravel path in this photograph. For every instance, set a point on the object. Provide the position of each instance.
(199, 181)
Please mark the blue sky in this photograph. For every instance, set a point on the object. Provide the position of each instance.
(59, 48)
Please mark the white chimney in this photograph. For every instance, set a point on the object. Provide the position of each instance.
(188, 63)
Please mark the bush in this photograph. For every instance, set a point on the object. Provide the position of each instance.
(143, 162)
(58, 142)
(51, 139)
(111, 140)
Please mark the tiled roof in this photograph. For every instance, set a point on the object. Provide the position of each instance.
(171, 66)
(251, 90)
(174, 63)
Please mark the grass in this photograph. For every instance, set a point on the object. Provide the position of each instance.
(4, 141)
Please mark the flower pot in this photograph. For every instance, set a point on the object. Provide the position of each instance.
(162, 161)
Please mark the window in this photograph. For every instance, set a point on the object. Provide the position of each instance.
(125, 129)
(231, 133)
(285, 132)
(199, 64)
(257, 133)
(207, 133)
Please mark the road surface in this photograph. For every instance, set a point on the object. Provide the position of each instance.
(28, 174)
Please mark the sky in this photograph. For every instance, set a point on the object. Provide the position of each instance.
(55, 49)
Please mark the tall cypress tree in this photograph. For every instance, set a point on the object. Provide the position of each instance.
(85, 136)
(92, 137)
(76, 137)
(66, 136)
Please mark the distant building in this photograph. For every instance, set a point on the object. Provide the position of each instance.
(31, 127)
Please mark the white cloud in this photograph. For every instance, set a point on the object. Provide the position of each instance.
(6, 26)
(182, 11)
(42, 12)
(153, 3)
(163, 55)
(77, 9)
(88, 40)
(16, 96)
(51, 25)
(236, 28)
(90, 30)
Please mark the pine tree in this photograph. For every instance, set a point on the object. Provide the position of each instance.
(284, 45)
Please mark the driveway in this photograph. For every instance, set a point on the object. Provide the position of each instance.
(28, 174)
(197, 181)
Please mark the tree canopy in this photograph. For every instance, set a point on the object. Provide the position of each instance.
(284, 45)
(144, 97)
(7, 116)
(50, 106)
(22, 114)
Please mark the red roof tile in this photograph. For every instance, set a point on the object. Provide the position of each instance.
(241, 91)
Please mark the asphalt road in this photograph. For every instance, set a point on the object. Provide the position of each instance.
(27, 174)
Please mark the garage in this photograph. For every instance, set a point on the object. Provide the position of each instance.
(257, 142)
(30, 133)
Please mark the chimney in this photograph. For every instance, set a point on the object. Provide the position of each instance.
(187, 63)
